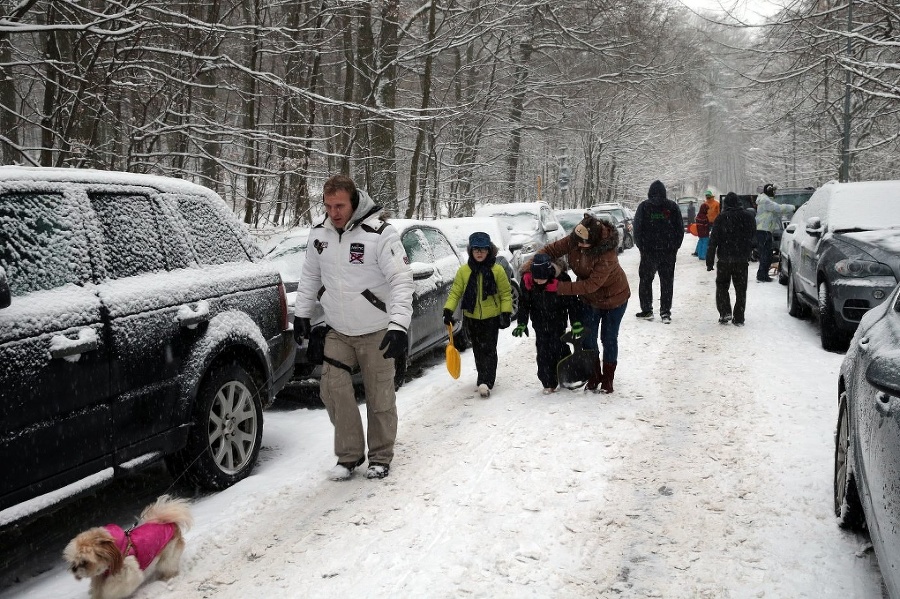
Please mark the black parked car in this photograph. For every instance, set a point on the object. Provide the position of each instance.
(136, 323)
(840, 255)
(867, 441)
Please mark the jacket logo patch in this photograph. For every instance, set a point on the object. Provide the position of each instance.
(320, 245)
(357, 253)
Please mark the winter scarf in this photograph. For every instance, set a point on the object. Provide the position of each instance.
(488, 284)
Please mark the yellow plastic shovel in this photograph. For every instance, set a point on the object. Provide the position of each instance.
(453, 362)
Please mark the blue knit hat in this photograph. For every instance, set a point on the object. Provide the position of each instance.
(479, 240)
(542, 267)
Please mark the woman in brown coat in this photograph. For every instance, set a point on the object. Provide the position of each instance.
(592, 253)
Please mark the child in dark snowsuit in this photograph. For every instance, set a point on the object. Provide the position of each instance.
(549, 314)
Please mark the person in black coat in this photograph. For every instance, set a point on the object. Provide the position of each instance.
(549, 312)
(732, 239)
(658, 233)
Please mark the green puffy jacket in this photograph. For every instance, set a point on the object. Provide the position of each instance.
(489, 307)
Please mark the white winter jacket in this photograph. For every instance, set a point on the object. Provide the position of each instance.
(361, 276)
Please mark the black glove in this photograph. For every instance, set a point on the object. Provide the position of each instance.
(301, 329)
(394, 344)
(505, 318)
(448, 318)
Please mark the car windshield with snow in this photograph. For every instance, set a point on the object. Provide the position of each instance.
(532, 225)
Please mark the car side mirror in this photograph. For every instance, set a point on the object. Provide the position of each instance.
(882, 373)
(421, 271)
(5, 292)
(790, 228)
(814, 226)
(550, 227)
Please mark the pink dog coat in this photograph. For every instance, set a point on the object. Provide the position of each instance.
(144, 542)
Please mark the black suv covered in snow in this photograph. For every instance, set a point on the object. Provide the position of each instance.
(137, 322)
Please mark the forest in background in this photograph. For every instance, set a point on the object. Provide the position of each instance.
(437, 106)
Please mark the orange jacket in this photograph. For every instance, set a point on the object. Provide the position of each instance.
(712, 210)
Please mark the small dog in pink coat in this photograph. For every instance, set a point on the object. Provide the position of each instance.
(118, 561)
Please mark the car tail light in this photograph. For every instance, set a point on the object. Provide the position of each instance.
(282, 298)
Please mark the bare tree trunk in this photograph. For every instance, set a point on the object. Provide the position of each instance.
(251, 206)
(383, 181)
(426, 102)
(517, 111)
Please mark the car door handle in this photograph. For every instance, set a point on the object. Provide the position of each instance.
(71, 349)
(190, 317)
(885, 404)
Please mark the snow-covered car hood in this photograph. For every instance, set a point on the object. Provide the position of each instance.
(881, 245)
(886, 240)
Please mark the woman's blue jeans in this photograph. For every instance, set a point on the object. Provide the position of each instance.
(607, 321)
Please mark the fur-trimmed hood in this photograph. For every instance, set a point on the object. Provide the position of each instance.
(602, 235)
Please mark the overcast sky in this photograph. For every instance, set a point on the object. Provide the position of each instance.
(750, 10)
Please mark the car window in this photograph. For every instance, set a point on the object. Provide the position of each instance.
(568, 220)
(41, 246)
(546, 216)
(289, 256)
(816, 204)
(212, 238)
(521, 221)
(440, 247)
(795, 199)
(131, 238)
(800, 215)
(416, 246)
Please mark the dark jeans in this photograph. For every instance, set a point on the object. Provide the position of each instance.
(726, 274)
(764, 247)
(664, 264)
(483, 336)
(607, 321)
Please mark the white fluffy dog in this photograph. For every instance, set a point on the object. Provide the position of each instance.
(117, 561)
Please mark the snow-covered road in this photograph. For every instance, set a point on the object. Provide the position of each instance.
(706, 474)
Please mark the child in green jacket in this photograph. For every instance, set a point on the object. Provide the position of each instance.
(486, 296)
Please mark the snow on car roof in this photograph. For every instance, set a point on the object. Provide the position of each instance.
(85, 175)
(511, 208)
(459, 229)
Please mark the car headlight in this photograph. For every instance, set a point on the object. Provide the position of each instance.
(852, 267)
(530, 247)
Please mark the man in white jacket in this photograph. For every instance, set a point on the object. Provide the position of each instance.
(357, 268)
(769, 214)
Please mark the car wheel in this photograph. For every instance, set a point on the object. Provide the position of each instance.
(847, 506)
(226, 430)
(629, 241)
(833, 339)
(516, 292)
(796, 308)
(782, 275)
